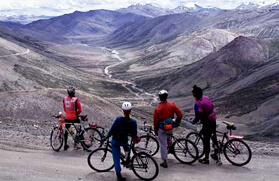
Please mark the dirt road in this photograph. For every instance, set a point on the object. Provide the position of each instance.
(47, 165)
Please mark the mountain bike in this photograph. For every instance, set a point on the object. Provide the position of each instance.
(89, 137)
(141, 163)
(184, 150)
(149, 141)
(236, 151)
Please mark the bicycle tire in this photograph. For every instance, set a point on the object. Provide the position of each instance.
(99, 157)
(185, 151)
(56, 137)
(236, 148)
(196, 138)
(91, 139)
(147, 144)
(143, 164)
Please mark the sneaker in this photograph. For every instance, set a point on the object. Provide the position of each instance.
(77, 146)
(214, 156)
(66, 147)
(204, 161)
(218, 162)
(120, 177)
(164, 164)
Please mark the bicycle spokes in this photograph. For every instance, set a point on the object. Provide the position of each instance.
(235, 148)
(141, 164)
(237, 152)
(185, 151)
(182, 149)
(144, 166)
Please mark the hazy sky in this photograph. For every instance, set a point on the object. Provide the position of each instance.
(68, 6)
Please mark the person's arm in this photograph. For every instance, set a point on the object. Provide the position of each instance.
(64, 106)
(156, 122)
(134, 135)
(135, 130)
(79, 108)
(197, 114)
(178, 114)
(111, 130)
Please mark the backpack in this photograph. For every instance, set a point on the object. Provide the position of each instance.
(166, 124)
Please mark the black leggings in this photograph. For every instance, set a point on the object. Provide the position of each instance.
(209, 131)
(67, 126)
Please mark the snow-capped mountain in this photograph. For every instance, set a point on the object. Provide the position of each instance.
(248, 5)
(274, 5)
(27, 15)
(22, 19)
(147, 10)
(192, 7)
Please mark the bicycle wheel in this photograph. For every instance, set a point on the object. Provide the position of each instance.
(196, 138)
(144, 166)
(185, 151)
(147, 144)
(237, 152)
(100, 160)
(91, 139)
(56, 139)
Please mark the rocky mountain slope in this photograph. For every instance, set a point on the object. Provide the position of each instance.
(241, 77)
(232, 55)
(32, 85)
(84, 23)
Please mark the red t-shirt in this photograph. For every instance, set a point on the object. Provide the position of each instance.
(164, 111)
(72, 107)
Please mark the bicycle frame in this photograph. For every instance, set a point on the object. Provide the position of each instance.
(78, 127)
(226, 136)
(171, 141)
(122, 156)
(149, 130)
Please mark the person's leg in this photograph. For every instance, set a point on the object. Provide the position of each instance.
(66, 146)
(206, 143)
(214, 140)
(116, 155)
(126, 148)
(163, 141)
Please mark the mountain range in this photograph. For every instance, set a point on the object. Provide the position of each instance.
(231, 54)
(25, 16)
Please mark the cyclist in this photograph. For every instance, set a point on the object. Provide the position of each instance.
(162, 121)
(121, 128)
(72, 108)
(204, 111)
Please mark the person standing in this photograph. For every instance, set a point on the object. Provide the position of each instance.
(204, 111)
(122, 127)
(72, 108)
(162, 121)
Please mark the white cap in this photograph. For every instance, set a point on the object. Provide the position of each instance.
(127, 106)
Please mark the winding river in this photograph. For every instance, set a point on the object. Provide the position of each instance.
(130, 86)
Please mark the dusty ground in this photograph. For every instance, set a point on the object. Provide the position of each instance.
(26, 155)
(45, 165)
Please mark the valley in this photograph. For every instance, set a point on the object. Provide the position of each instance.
(116, 56)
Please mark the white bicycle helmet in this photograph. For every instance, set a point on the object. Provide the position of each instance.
(162, 92)
(163, 95)
(127, 106)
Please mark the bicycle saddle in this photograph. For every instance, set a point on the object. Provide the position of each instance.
(230, 125)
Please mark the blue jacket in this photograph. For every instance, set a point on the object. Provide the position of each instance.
(122, 128)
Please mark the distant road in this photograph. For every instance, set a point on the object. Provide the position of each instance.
(72, 165)
(16, 54)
